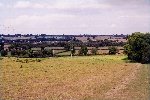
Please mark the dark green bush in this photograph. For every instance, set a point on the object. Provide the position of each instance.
(138, 47)
(113, 50)
(83, 50)
(94, 51)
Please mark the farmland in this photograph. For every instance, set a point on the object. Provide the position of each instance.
(77, 78)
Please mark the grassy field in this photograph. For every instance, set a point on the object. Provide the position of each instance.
(67, 53)
(77, 78)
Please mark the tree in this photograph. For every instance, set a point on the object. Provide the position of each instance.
(73, 50)
(47, 53)
(3, 52)
(94, 51)
(138, 47)
(113, 50)
(67, 47)
(83, 50)
(1, 46)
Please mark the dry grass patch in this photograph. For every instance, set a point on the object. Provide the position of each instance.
(64, 78)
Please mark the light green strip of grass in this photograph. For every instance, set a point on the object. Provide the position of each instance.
(140, 86)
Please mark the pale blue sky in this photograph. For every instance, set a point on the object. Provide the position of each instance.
(74, 16)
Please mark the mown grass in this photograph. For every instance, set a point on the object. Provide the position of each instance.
(66, 78)
(139, 88)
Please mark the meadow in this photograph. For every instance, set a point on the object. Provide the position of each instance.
(101, 77)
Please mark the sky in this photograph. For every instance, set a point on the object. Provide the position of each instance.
(74, 16)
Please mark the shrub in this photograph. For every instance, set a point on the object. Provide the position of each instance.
(94, 51)
(73, 51)
(3, 52)
(138, 47)
(83, 50)
(113, 50)
(47, 53)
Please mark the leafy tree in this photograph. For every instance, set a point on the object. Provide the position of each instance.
(3, 52)
(47, 53)
(73, 50)
(1, 46)
(113, 50)
(30, 52)
(138, 47)
(19, 53)
(13, 52)
(94, 51)
(37, 54)
(83, 50)
(25, 47)
(67, 47)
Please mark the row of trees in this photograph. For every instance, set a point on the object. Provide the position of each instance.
(27, 53)
(112, 50)
(137, 49)
(76, 43)
(49, 53)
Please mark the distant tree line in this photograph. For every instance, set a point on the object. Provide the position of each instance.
(42, 53)
(25, 49)
(137, 48)
(75, 42)
(27, 53)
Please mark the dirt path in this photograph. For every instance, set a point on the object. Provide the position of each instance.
(123, 83)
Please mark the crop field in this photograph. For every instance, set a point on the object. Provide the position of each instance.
(77, 78)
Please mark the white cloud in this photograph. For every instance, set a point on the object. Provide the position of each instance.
(135, 16)
(1, 5)
(66, 23)
(80, 16)
(64, 4)
(23, 4)
(113, 25)
(55, 23)
(67, 4)
(29, 4)
(35, 19)
(40, 24)
(40, 5)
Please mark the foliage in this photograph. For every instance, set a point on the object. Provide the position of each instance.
(73, 50)
(138, 47)
(67, 47)
(18, 53)
(83, 50)
(113, 50)
(1, 46)
(70, 47)
(31, 53)
(94, 51)
(3, 52)
(47, 53)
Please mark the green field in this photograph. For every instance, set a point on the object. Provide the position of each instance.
(76, 78)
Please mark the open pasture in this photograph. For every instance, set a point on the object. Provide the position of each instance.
(77, 78)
